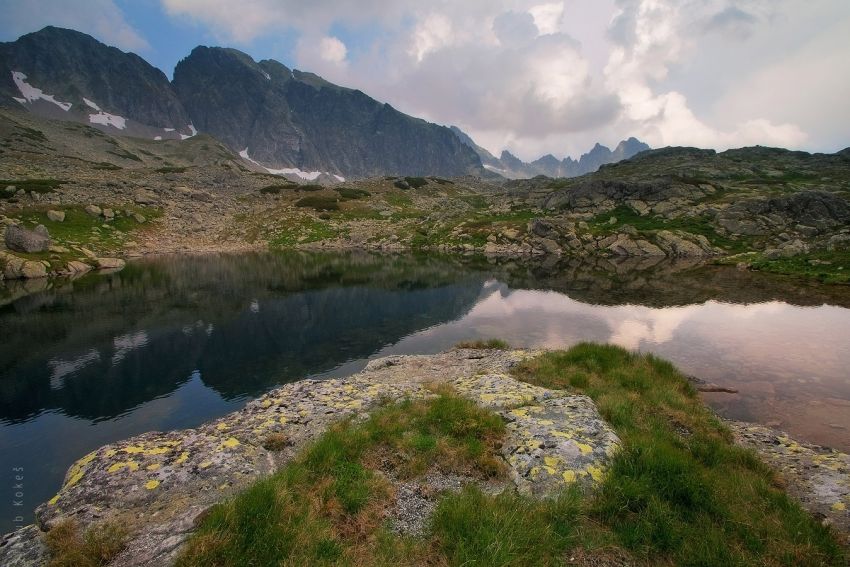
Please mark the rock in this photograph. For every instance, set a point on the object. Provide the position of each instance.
(77, 268)
(139, 218)
(20, 239)
(33, 270)
(42, 230)
(56, 216)
(625, 246)
(143, 197)
(108, 214)
(510, 233)
(807, 231)
(838, 242)
(540, 227)
(59, 249)
(88, 253)
(549, 246)
(793, 248)
(683, 244)
(94, 210)
(491, 248)
(109, 263)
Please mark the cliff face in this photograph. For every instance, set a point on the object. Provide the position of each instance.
(288, 121)
(292, 119)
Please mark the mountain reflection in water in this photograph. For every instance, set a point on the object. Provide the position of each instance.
(172, 342)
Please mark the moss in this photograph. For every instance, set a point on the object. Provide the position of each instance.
(832, 267)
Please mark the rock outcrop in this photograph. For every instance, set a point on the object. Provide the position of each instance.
(157, 484)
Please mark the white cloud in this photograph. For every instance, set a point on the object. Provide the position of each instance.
(540, 76)
(100, 18)
(332, 50)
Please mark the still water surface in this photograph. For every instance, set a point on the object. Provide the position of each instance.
(172, 342)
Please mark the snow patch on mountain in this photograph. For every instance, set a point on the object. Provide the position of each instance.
(306, 175)
(107, 119)
(32, 94)
(91, 104)
(192, 129)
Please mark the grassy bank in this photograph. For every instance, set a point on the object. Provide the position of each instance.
(679, 493)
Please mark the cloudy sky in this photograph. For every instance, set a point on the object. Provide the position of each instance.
(535, 77)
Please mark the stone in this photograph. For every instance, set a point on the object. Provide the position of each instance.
(20, 239)
(93, 210)
(77, 268)
(56, 216)
(549, 246)
(139, 218)
(510, 233)
(33, 270)
(108, 214)
(59, 249)
(678, 244)
(807, 231)
(540, 227)
(109, 263)
(144, 197)
(793, 248)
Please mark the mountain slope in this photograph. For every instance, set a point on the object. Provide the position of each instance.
(289, 119)
(284, 121)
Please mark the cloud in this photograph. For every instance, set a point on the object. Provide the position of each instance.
(100, 18)
(545, 76)
(332, 50)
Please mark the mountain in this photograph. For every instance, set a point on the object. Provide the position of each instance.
(69, 75)
(286, 118)
(279, 120)
(510, 166)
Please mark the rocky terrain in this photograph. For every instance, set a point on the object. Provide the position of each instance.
(158, 485)
(118, 197)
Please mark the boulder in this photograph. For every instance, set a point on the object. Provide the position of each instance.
(793, 248)
(139, 218)
(540, 227)
(20, 239)
(108, 214)
(32, 270)
(549, 246)
(93, 210)
(144, 197)
(109, 263)
(77, 268)
(683, 244)
(625, 246)
(56, 216)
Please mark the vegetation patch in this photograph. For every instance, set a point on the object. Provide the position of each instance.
(301, 231)
(496, 344)
(351, 194)
(680, 491)
(310, 187)
(318, 202)
(327, 506)
(170, 169)
(416, 182)
(124, 154)
(831, 267)
(94, 548)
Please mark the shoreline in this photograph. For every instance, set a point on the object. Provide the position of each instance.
(163, 481)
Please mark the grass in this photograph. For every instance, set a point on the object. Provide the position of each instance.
(300, 231)
(496, 344)
(832, 267)
(680, 491)
(170, 169)
(96, 547)
(327, 506)
(81, 229)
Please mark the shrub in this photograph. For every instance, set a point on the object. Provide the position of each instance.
(350, 194)
(318, 202)
(416, 182)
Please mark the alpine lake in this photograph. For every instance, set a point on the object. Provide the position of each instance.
(170, 342)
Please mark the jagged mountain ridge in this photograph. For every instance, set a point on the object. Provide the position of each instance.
(285, 121)
(510, 166)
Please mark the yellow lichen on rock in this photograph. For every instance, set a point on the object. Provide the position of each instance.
(151, 484)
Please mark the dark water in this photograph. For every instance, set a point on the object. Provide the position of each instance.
(172, 342)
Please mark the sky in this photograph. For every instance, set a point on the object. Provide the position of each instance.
(530, 76)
